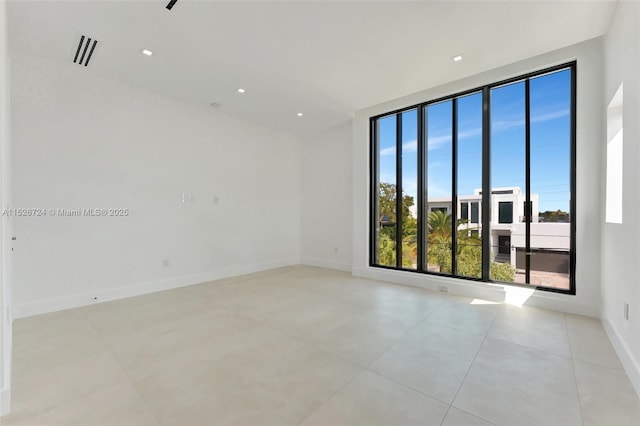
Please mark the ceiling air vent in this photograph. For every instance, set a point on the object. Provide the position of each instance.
(84, 51)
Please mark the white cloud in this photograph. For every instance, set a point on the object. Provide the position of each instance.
(550, 116)
(412, 145)
(438, 141)
(540, 118)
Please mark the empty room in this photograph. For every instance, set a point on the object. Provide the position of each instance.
(295, 212)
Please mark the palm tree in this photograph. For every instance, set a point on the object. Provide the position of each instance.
(439, 223)
(439, 240)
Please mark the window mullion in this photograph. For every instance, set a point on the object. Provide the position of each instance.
(486, 184)
(454, 186)
(399, 190)
(422, 188)
(527, 118)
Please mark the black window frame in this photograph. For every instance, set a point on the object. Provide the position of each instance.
(485, 202)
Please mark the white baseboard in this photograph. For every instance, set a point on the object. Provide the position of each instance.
(629, 363)
(5, 401)
(329, 264)
(90, 298)
(501, 293)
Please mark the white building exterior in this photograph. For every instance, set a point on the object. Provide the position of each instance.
(550, 241)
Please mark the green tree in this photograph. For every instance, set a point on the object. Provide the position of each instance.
(554, 216)
(468, 250)
(439, 241)
(386, 249)
(387, 202)
(439, 223)
(502, 272)
(386, 241)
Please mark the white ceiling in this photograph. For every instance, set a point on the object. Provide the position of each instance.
(326, 59)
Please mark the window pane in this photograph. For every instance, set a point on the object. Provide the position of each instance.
(464, 210)
(409, 189)
(550, 179)
(508, 166)
(505, 212)
(475, 214)
(439, 187)
(469, 184)
(386, 206)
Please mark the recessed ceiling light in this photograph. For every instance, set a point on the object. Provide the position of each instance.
(146, 52)
(457, 58)
(300, 114)
(241, 90)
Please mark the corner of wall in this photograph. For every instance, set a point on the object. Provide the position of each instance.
(326, 196)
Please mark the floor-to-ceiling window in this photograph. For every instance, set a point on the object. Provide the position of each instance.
(480, 185)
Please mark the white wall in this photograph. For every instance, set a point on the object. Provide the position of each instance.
(5, 223)
(589, 135)
(81, 141)
(621, 242)
(326, 198)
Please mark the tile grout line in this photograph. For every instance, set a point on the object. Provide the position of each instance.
(363, 369)
(573, 368)
(126, 375)
(424, 320)
(528, 347)
(420, 322)
(66, 363)
(331, 397)
(391, 379)
(301, 340)
(474, 415)
(484, 339)
(332, 298)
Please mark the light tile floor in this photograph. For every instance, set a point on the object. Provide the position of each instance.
(304, 345)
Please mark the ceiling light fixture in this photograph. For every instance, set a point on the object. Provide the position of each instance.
(146, 52)
(300, 114)
(457, 58)
(241, 90)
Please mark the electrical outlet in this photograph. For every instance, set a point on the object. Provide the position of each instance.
(335, 250)
(443, 288)
(215, 199)
(165, 263)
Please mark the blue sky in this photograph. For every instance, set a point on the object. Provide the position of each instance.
(550, 154)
